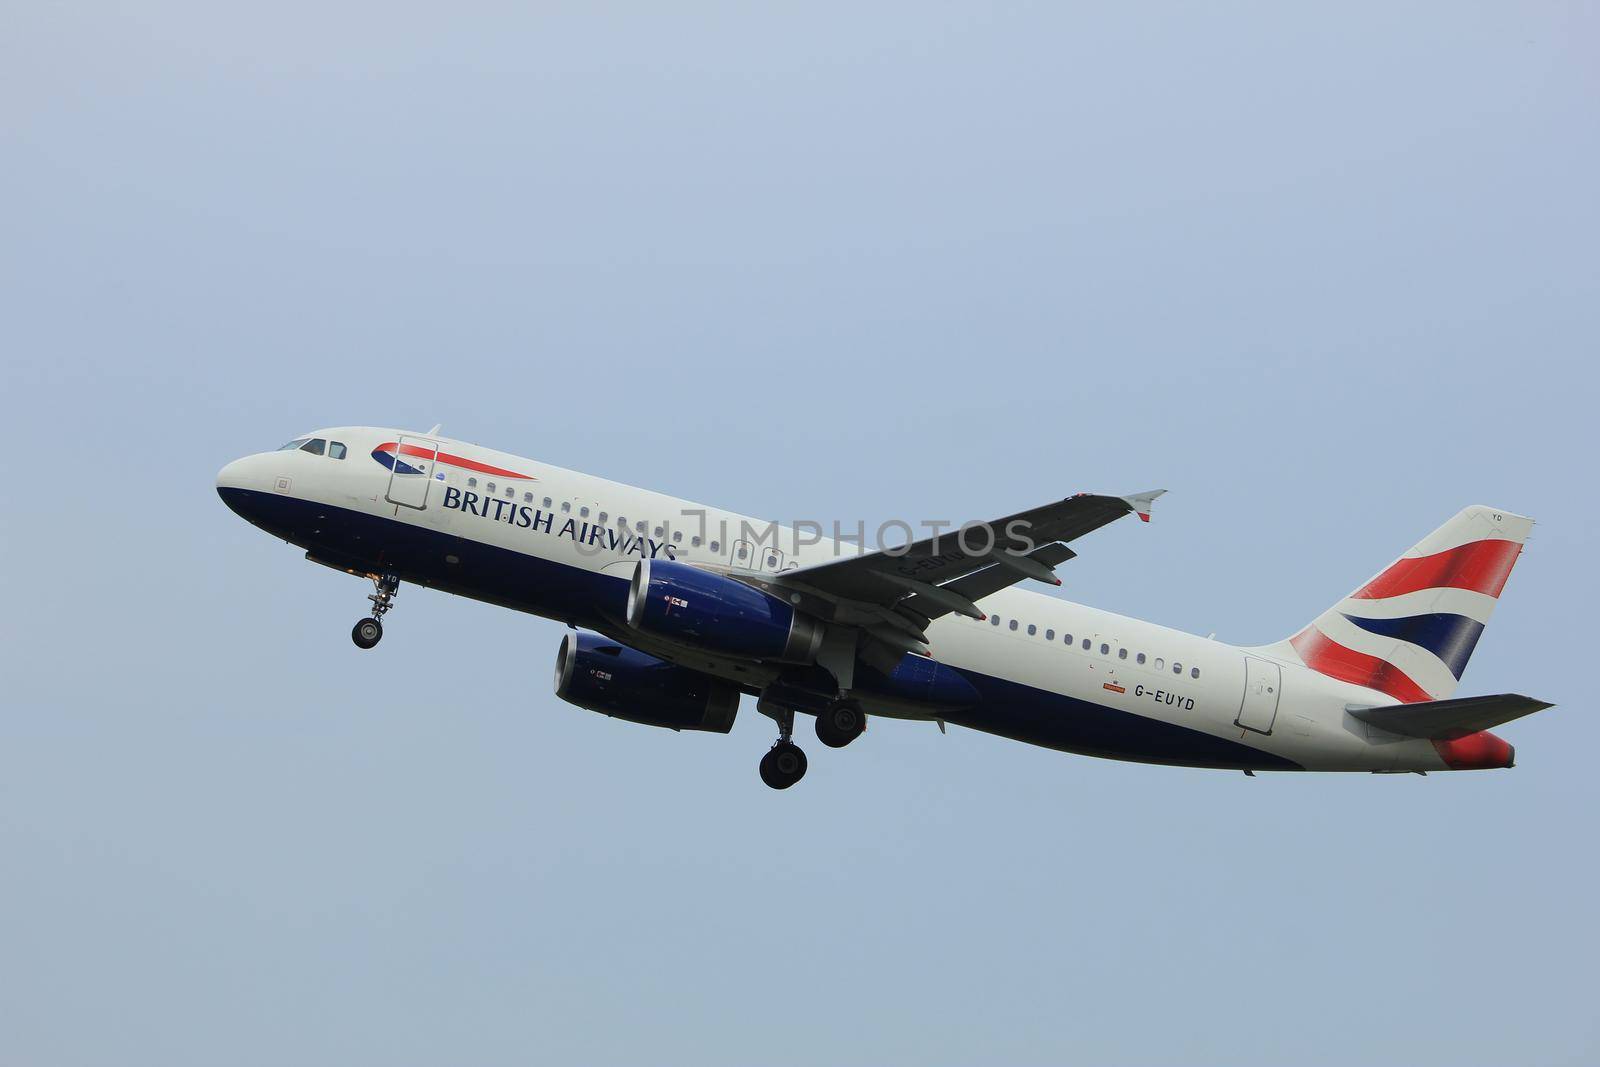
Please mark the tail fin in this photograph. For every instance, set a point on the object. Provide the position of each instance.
(1410, 630)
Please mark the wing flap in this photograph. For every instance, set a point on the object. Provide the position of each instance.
(979, 584)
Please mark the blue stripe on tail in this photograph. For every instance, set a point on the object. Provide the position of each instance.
(1450, 637)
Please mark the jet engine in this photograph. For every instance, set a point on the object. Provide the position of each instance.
(598, 674)
(698, 607)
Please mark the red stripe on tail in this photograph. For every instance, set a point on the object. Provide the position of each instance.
(1326, 656)
(1482, 566)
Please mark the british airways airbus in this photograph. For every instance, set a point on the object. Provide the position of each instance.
(678, 610)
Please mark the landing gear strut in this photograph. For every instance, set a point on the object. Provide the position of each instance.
(784, 764)
(368, 632)
(840, 723)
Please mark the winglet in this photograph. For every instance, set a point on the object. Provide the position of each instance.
(1140, 503)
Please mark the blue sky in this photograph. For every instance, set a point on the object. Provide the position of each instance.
(1327, 277)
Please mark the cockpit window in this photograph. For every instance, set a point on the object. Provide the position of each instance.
(336, 449)
(294, 446)
(314, 446)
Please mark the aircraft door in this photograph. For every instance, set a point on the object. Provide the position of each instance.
(1262, 682)
(412, 474)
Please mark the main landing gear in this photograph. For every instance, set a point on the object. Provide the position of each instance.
(784, 764)
(368, 632)
(840, 723)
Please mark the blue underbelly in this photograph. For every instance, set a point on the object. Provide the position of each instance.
(528, 583)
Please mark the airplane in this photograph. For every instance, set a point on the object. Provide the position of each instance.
(676, 611)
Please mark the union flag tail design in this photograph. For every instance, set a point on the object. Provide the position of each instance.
(1410, 631)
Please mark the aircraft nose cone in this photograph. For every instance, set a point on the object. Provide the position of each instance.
(231, 476)
(240, 483)
(230, 487)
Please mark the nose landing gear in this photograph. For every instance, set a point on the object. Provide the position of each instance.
(368, 632)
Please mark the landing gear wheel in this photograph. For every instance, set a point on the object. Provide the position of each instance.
(366, 633)
(839, 724)
(369, 632)
(783, 765)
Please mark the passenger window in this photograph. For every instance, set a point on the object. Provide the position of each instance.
(1067, 638)
(715, 547)
(743, 552)
(1013, 624)
(1086, 644)
(1160, 663)
(336, 450)
(1105, 649)
(546, 501)
(1177, 668)
(314, 446)
(488, 487)
(994, 620)
(658, 532)
(1194, 672)
(603, 518)
(566, 506)
(677, 535)
(511, 493)
(640, 526)
(583, 512)
(695, 541)
(1122, 653)
(1049, 635)
(527, 498)
(472, 483)
(1032, 629)
(1140, 659)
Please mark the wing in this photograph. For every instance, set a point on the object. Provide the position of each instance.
(894, 595)
(1006, 551)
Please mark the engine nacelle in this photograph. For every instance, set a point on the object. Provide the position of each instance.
(598, 674)
(697, 607)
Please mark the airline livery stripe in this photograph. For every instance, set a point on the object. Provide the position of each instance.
(453, 461)
(1482, 566)
(1475, 752)
(1326, 656)
(1450, 637)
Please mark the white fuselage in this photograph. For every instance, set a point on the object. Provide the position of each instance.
(1050, 646)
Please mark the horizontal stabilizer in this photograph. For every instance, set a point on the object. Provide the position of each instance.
(1446, 720)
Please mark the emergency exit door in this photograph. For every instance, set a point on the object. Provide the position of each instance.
(1262, 680)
